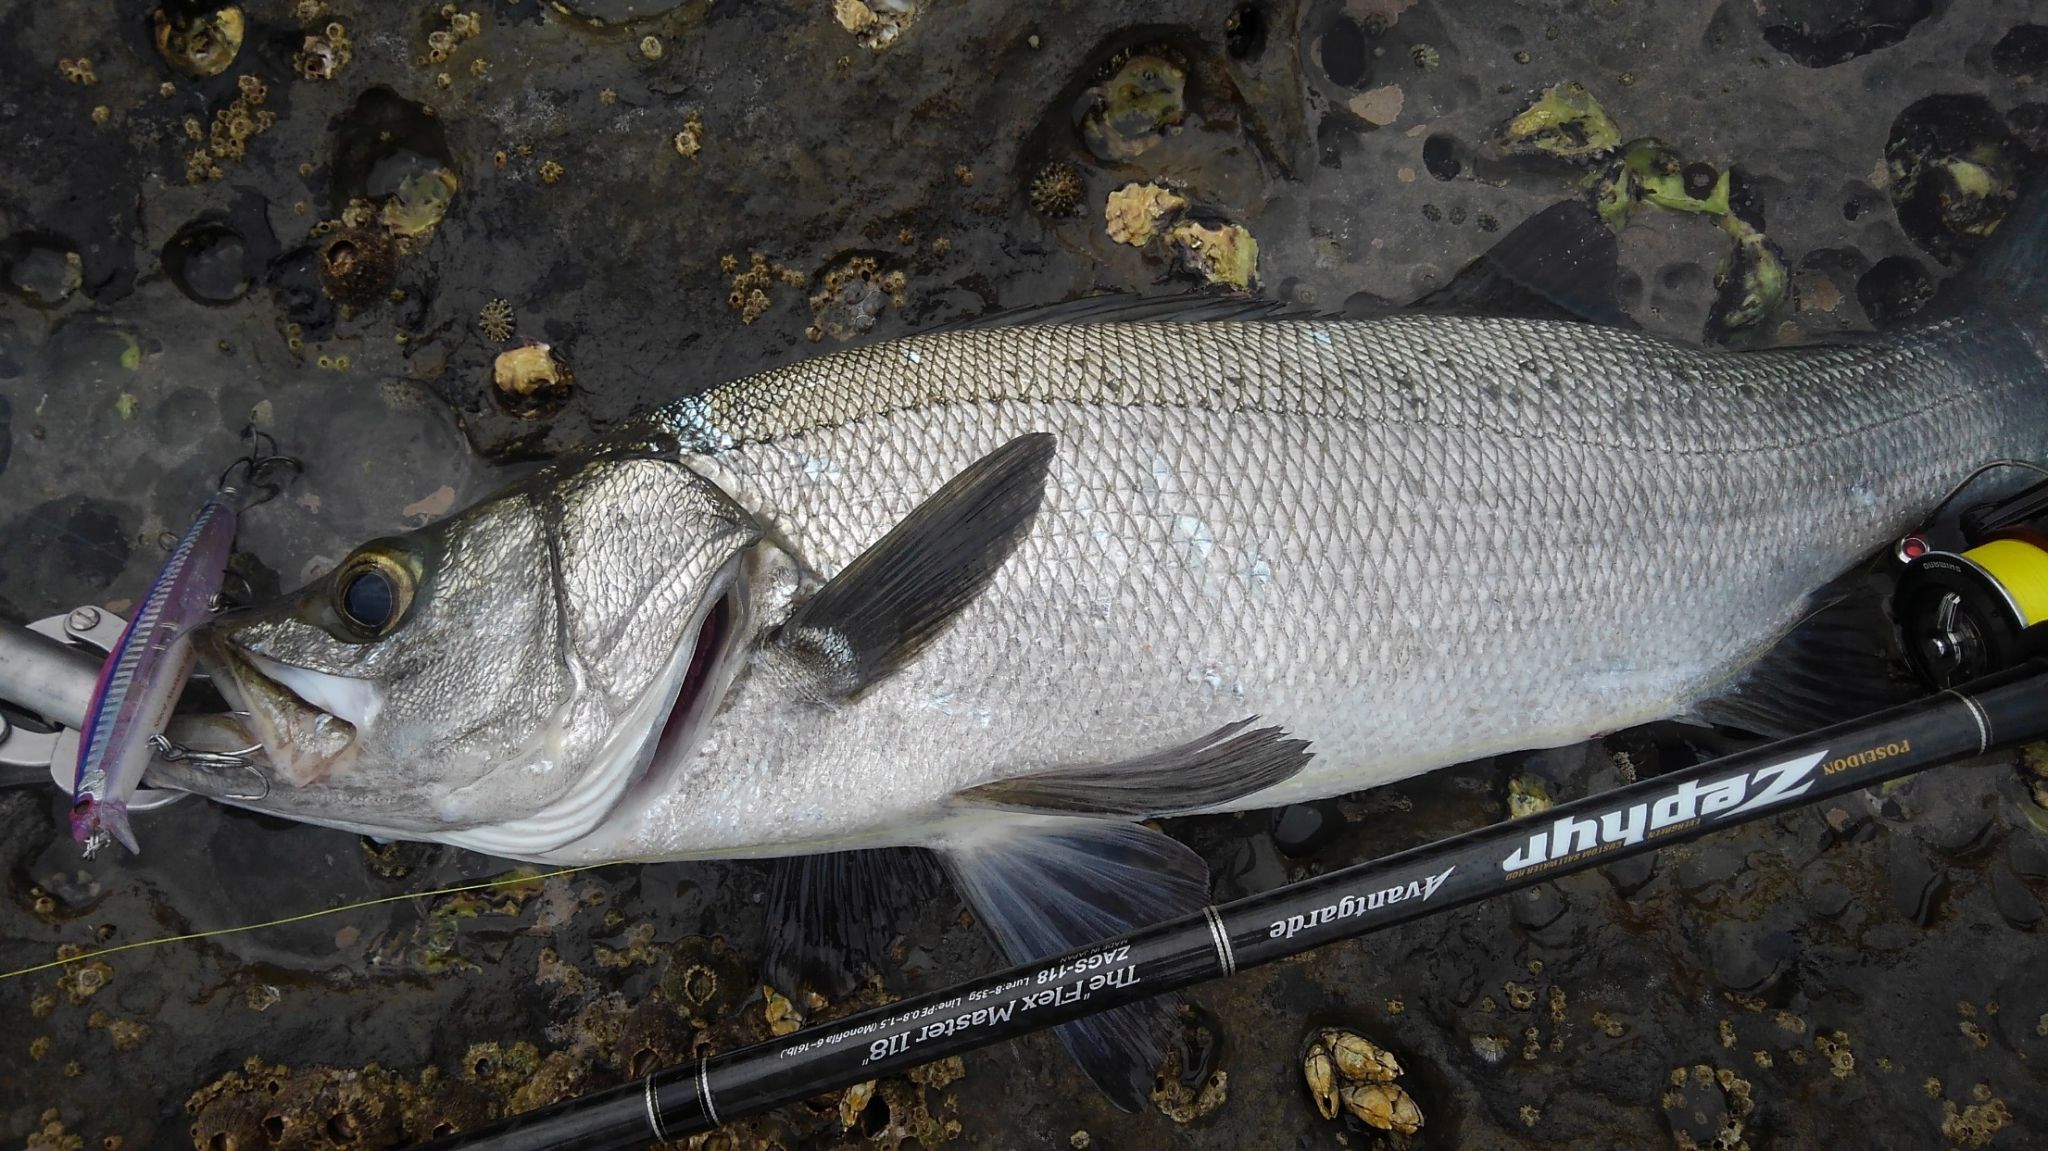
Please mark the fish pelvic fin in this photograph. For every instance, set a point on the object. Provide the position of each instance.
(877, 613)
(1233, 761)
(831, 918)
(1044, 887)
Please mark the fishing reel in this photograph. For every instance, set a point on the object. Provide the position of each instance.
(1983, 607)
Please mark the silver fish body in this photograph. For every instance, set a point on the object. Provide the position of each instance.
(1411, 542)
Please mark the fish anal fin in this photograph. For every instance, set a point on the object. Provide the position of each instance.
(831, 917)
(876, 613)
(1834, 665)
(1047, 886)
(1232, 761)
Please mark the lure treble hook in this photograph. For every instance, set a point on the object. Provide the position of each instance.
(263, 469)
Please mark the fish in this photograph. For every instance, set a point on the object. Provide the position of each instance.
(144, 674)
(997, 595)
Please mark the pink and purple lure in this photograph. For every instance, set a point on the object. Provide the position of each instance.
(144, 674)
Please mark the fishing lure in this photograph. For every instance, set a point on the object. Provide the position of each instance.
(147, 668)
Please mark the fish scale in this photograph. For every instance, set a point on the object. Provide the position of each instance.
(1472, 536)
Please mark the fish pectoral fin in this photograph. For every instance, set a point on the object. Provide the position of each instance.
(1233, 761)
(831, 917)
(1045, 887)
(1834, 665)
(874, 615)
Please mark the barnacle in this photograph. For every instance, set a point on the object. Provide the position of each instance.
(201, 43)
(322, 56)
(1526, 796)
(855, 1101)
(1359, 1058)
(1565, 121)
(550, 171)
(497, 320)
(1142, 102)
(1345, 1068)
(419, 203)
(1319, 1067)
(78, 71)
(1057, 189)
(877, 22)
(1134, 212)
(1223, 254)
(531, 380)
(1383, 1105)
(782, 1015)
(691, 139)
(357, 265)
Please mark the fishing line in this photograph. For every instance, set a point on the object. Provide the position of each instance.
(501, 881)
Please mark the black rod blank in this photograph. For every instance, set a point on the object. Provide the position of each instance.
(1997, 712)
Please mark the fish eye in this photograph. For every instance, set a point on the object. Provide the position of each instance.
(371, 593)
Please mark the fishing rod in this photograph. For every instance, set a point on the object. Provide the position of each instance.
(1998, 712)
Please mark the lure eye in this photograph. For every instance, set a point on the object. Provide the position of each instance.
(372, 592)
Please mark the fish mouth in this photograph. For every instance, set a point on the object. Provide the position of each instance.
(300, 725)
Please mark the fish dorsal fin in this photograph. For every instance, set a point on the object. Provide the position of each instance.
(1221, 766)
(832, 917)
(1132, 308)
(1560, 263)
(1043, 887)
(876, 613)
(1834, 665)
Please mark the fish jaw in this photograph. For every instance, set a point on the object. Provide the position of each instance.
(299, 742)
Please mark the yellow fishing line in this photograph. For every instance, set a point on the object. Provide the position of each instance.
(501, 881)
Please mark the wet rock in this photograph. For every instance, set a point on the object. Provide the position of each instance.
(1630, 875)
(2013, 900)
(390, 152)
(1709, 869)
(75, 544)
(1440, 157)
(1955, 171)
(1736, 959)
(42, 269)
(1913, 882)
(1302, 829)
(66, 876)
(1539, 906)
(1819, 33)
(2028, 857)
(208, 261)
(1893, 290)
(1249, 865)
(1343, 52)
(2022, 51)
(1953, 825)
(1828, 899)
